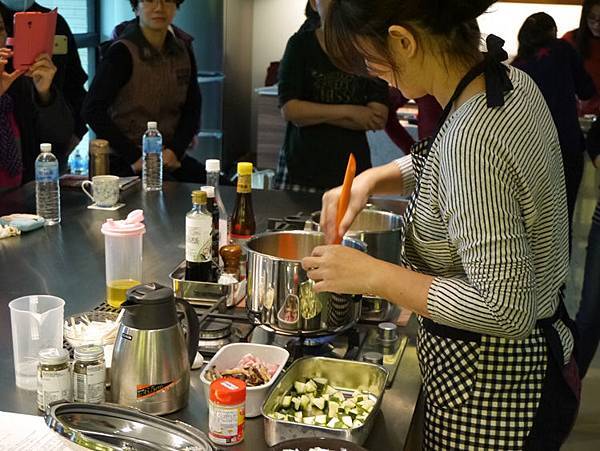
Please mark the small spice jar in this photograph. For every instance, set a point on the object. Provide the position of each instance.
(227, 411)
(53, 377)
(89, 374)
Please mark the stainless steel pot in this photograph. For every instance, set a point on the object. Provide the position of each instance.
(378, 229)
(280, 294)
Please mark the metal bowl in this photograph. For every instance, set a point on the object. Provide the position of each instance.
(280, 294)
(305, 444)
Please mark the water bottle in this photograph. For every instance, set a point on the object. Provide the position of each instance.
(47, 190)
(152, 168)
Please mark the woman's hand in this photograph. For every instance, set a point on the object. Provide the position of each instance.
(340, 269)
(170, 160)
(359, 196)
(42, 73)
(366, 117)
(6, 79)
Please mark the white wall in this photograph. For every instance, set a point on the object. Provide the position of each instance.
(505, 20)
(112, 13)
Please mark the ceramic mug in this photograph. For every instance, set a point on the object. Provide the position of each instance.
(105, 189)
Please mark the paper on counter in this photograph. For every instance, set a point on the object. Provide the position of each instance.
(30, 433)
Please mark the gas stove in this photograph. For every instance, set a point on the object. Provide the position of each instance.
(379, 343)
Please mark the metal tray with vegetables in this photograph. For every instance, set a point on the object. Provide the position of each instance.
(322, 397)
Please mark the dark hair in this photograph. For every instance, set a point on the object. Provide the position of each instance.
(451, 23)
(313, 20)
(583, 33)
(135, 3)
(537, 31)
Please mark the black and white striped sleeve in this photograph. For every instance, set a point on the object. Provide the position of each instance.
(478, 194)
(405, 166)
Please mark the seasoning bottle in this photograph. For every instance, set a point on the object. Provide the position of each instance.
(243, 225)
(213, 174)
(53, 377)
(198, 240)
(211, 206)
(89, 374)
(227, 411)
(231, 255)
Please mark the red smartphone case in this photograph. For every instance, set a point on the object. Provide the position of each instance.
(34, 35)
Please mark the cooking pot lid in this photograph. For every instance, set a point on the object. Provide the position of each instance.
(113, 427)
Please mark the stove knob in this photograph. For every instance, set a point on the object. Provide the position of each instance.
(373, 357)
(388, 332)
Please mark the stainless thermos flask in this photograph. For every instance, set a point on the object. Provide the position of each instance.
(99, 161)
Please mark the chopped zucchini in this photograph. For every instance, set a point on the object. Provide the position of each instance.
(287, 401)
(308, 420)
(304, 401)
(332, 423)
(320, 381)
(300, 387)
(357, 424)
(310, 387)
(330, 390)
(332, 409)
(321, 419)
(347, 421)
(298, 414)
(296, 402)
(319, 403)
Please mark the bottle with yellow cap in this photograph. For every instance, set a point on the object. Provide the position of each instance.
(198, 240)
(243, 225)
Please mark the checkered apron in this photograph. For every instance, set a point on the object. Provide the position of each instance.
(481, 392)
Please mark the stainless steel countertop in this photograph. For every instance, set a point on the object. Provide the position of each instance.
(68, 261)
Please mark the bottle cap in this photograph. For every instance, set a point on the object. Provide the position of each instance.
(213, 165)
(228, 391)
(53, 356)
(199, 197)
(131, 226)
(89, 353)
(46, 147)
(209, 190)
(244, 168)
(152, 125)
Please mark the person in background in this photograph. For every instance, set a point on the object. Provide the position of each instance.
(559, 72)
(32, 110)
(44, 104)
(588, 316)
(148, 74)
(586, 39)
(313, 19)
(485, 248)
(328, 113)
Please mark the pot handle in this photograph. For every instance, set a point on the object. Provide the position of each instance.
(193, 333)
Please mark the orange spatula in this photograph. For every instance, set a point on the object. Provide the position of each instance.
(345, 197)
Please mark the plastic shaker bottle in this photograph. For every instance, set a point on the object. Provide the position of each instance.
(123, 249)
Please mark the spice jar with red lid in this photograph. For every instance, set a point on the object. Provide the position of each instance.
(227, 411)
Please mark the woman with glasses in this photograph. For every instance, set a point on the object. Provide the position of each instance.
(148, 74)
(485, 248)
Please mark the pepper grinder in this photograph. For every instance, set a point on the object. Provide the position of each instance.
(231, 255)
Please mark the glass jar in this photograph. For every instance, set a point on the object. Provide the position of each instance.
(89, 374)
(53, 377)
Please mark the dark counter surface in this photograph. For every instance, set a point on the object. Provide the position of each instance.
(68, 261)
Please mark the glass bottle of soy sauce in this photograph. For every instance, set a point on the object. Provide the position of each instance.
(198, 240)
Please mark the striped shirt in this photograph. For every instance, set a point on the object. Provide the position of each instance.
(490, 221)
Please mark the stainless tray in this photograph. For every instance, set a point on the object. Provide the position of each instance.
(204, 293)
(343, 375)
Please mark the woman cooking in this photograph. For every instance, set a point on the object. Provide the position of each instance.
(485, 242)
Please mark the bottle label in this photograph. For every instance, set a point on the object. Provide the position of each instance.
(226, 424)
(244, 184)
(198, 238)
(53, 386)
(89, 387)
(152, 144)
(46, 171)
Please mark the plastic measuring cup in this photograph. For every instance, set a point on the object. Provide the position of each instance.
(123, 251)
(37, 323)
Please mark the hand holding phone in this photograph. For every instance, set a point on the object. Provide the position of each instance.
(42, 73)
(34, 36)
(6, 79)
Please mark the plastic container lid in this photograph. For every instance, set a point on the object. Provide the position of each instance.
(131, 226)
(213, 165)
(89, 353)
(53, 356)
(152, 125)
(228, 391)
(244, 168)
(209, 190)
(46, 147)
